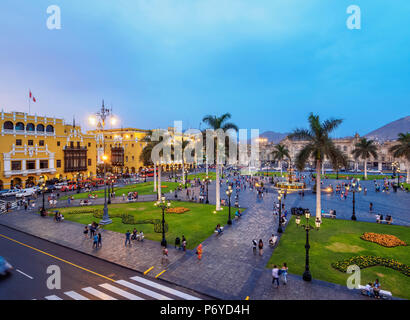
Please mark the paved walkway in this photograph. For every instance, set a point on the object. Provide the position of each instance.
(228, 269)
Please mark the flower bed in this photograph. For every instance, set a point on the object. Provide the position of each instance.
(372, 261)
(385, 240)
(177, 210)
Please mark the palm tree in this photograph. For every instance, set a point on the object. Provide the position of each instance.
(340, 163)
(364, 149)
(319, 145)
(402, 150)
(280, 153)
(219, 123)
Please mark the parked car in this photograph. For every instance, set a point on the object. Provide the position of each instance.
(5, 267)
(11, 192)
(26, 193)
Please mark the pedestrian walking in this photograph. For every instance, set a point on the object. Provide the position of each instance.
(95, 242)
(86, 231)
(164, 255)
(178, 243)
(371, 207)
(99, 243)
(284, 273)
(275, 275)
(199, 251)
(254, 245)
(184, 243)
(260, 247)
(128, 238)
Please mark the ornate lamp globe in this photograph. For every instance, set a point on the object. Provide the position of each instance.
(307, 214)
(317, 223)
(297, 220)
(169, 204)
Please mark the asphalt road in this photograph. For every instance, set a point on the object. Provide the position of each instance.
(88, 277)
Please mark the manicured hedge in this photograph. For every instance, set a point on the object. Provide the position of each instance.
(372, 261)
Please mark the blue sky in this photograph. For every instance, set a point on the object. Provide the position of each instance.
(267, 62)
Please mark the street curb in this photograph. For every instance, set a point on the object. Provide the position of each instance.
(102, 259)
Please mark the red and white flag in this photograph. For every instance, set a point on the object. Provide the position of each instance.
(32, 97)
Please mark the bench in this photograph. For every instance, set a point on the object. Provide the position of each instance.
(218, 233)
(383, 293)
(329, 215)
(88, 203)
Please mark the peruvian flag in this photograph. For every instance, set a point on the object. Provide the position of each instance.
(32, 97)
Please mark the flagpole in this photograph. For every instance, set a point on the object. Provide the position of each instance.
(29, 102)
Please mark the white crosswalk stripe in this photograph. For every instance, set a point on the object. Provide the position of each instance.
(98, 294)
(165, 289)
(129, 290)
(145, 291)
(75, 295)
(53, 297)
(120, 292)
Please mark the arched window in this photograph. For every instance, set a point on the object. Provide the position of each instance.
(30, 127)
(19, 126)
(40, 127)
(50, 128)
(8, 125)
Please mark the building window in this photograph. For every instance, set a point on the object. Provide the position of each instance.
(71, 144)
(43, 164)
(58, 143)
(30, 165)
(8, 125)
(20, 126)
(132, 158)
(41, 143)
(89, 162)
(50, 128)
(40, 127)
(75, 159)
(126, 159)
(18, 142)
(30, 142)
(78, 144)
(344, 148)
(117, 156)
(58, 163)
(30, 127)
(89, 144)
(15, 165)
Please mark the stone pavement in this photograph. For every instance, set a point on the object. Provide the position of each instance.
(228, 269)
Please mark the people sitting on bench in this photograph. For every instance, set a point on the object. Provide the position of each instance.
(219, 229)
(238, 214)
(272, 240)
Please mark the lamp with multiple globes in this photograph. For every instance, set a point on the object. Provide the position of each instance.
(163, 204)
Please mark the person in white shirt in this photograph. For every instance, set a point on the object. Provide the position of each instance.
(275, 275)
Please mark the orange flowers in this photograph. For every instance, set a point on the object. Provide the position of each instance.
(385, 240)
(177, 210)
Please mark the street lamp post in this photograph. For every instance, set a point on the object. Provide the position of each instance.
(43, 189)
(354, 198)
(186, 177)
(229, 193)
(206, 180)
(307, 275)
(163, 205)
(280, 230)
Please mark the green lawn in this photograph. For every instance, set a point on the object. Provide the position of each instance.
(202, 175)
(142, 188)
(338, 240)
(197, 224)
(406, 186)
(357, 176)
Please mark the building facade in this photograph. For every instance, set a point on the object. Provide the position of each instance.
(38, 147)
(122, 146)
(383, 161)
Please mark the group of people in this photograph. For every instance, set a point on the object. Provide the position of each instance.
(92, 230)
(277, 273)
(139, 236)
(58, 217)
(372, 289)
(180, 244)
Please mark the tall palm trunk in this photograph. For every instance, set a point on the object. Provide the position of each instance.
(365, 169)
(155, 177)
(218, 185)
(183, 171)
(280, 164)
(408, 172)
(318, 190)
(159, 182)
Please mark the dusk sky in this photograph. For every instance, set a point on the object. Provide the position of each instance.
(267, 62)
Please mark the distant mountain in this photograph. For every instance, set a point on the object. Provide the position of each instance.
(390, 130)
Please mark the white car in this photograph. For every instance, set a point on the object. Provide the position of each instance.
(26, 193)
(11, 192)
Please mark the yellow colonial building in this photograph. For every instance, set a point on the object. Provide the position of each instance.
(34, 146)
(122, 146)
